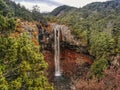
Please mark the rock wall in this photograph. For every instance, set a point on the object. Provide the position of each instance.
(67, 39)
(72, 64)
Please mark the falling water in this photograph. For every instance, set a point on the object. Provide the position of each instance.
(57, 50)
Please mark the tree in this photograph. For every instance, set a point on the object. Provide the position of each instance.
(2, 5)
(3, 82)
(98, 68)
(22, 64)
(116, 36)
(101, 44)
(37, 16)
(7, 25)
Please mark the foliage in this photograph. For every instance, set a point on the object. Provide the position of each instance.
(109, 82)
(2, 5)
(7, 24)
(36, 15)
(101, 44)
(3, 82)
(98, 67)
(20, 11)
(22, 64)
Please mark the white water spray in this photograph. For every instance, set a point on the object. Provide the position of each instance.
(57, 50)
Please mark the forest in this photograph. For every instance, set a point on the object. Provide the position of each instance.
(89, 47)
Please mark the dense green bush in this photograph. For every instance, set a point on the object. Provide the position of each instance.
(19, 11)
(22, 65)
(101, 44)
(7, 25)
(98, 67)
(2, 5)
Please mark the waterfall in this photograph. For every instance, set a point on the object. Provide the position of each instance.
(57, 50)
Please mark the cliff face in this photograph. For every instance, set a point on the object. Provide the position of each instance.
(67, 39)
(72, 64)
(45, 35)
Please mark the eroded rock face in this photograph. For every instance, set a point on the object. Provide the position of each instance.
(67, 39)
(72, 64)
(66, 35)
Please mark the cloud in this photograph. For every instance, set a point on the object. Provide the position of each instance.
(78, 3)
(49, 2)
(49, 5)
(43, 6)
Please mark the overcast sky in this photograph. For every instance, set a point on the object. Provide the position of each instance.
(49, 5)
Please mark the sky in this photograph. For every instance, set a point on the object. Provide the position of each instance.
(49, 5)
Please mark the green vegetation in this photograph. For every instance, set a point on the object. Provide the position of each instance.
(98, 67)
(19, 11)
(22, 65)
(37, 16)
(6, 24)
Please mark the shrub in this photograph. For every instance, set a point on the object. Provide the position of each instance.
(98, 67)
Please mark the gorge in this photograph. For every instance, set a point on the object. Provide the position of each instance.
(67, 49)
(63, 57)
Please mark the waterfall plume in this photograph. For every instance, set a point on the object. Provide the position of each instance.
(57, 50)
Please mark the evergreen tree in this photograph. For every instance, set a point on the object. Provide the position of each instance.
(22, 65)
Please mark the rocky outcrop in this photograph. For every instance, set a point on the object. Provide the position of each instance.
(115, 61)
(66, 35)
(26, 27)
(67, 39)
(45, 35)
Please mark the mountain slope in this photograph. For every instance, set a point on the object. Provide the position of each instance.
(19, 11)
(61, 10)
(108, 6)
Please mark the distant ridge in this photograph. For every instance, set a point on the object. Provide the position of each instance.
(61, 10)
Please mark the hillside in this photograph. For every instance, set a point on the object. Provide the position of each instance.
(94, 17)
(61, 10)
(19, 11)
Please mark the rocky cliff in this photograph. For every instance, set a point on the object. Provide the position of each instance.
(73, 62)
(67, 39)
